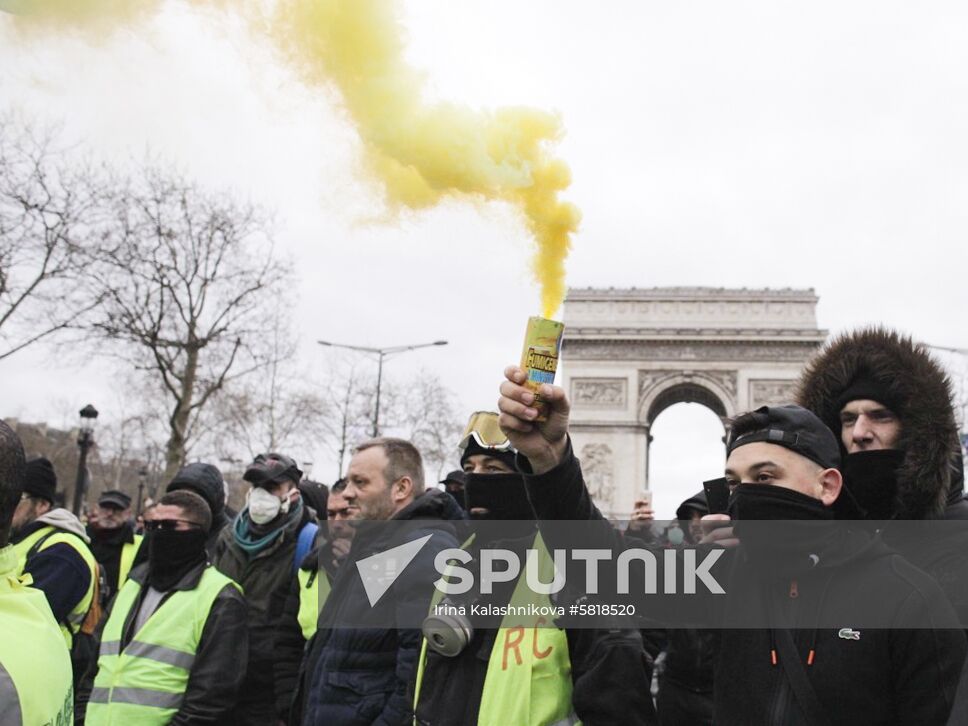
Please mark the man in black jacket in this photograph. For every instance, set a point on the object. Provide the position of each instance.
(604, 677)
(115, 545)
(258, 550)
(361, 674)
(800, 668)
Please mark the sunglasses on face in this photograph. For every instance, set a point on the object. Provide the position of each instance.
(168, 525)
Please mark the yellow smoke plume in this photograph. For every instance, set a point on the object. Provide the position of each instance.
(421, 152)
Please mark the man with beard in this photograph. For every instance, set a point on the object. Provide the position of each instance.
(554, 676)
(172, 644)
(115, 545)
(258, 551)
(889, 403)
(362, 659)
(780, 660)
(207, 482)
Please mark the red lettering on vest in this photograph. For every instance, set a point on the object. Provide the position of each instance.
(517, 631)
(539, 654)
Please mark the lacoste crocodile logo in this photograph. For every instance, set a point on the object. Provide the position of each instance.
(848, 634)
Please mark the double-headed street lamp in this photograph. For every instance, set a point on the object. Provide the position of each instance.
(381, 353)
(85, 440)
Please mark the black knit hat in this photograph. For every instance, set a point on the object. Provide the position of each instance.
(867, 388)
(473, 448)
(41, 480)
(792, 427)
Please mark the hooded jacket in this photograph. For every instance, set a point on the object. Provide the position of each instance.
(206, 481)
(59, 570)
(912, 378)
(895, 676)
(356, 676)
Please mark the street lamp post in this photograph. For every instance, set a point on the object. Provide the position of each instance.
(381, 354)
(85, 440)
(142, 480)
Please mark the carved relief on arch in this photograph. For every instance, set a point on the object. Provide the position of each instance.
(597, 464)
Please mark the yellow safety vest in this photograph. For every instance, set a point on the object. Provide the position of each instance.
(528, 678)
(313, 592)
(76, 616)
(144, 683)
(36, 681)
(128, 552)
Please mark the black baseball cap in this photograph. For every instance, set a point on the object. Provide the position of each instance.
(792, 427)
(456, 476)
(114, 498)
(268, 469)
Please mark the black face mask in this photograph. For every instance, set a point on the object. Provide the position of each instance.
(800, 528)
(503, 495)
(870, 478)
(171, 554)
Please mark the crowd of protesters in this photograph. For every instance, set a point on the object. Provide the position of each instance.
(195, 614)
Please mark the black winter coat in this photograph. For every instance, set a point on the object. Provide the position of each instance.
(265, 580)
(358, 676)
(894, 676)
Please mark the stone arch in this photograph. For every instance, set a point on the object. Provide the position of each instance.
(681, 387)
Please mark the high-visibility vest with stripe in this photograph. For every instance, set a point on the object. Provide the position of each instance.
(313, 592)
(128, 552)
(528, 678)
(36, 682)
(76, 616)
(144, 683)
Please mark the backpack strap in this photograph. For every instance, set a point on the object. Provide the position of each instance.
(35, 547)
(304, 543)
(796, 674)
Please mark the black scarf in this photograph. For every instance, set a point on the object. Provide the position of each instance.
(502, 495)
(781, 526)
(171, 554)
(870, 480)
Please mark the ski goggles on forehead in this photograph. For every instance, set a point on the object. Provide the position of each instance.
(484, 430)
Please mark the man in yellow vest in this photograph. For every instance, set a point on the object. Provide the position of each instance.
(526, 671)
(35, 667)
(113, 540)
(173, 649)
(52, 547)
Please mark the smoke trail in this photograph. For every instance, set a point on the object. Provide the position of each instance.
(421, 152)
(425, 152)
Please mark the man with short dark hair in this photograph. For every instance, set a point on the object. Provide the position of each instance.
(361, 675)
(789, 665)
(115, 545)
(35, 667)
(176, 635)
(259, 551)
(52, 547)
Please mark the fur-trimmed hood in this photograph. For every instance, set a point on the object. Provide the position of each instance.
(929, 434)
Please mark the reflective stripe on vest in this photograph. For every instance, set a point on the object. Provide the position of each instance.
(35, 667)
(145, 682)
(76, 616)
(313, 592)
(528, 677)
(128, 551)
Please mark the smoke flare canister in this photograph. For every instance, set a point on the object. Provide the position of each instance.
(539, 358)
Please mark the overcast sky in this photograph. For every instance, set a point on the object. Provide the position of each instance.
(758, 144)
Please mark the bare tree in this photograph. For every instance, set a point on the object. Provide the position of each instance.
(186, 276)
(47, 212)
(275, 411)
(349, 398)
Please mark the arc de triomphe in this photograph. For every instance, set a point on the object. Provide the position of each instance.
(629, 354)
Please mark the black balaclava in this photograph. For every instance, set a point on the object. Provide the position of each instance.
(503, 495)
(870, 483)
(171, 554)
